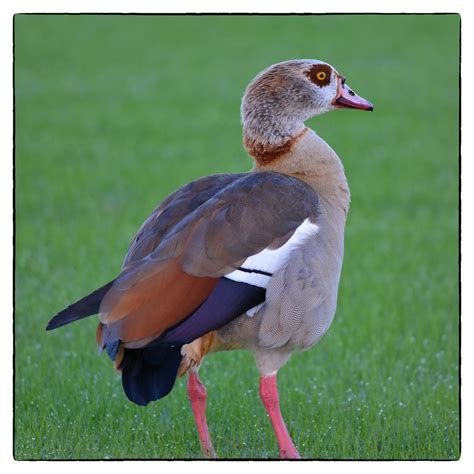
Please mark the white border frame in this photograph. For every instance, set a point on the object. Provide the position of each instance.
(8, 8)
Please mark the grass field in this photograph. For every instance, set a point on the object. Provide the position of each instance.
(115, 112)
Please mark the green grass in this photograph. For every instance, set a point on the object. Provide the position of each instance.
(113, 113)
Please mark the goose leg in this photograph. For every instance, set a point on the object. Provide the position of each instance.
(270, 400)
(197, 396)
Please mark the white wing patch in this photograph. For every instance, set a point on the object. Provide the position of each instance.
(253, 311)
(259, 268)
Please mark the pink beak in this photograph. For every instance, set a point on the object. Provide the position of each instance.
(347, 98)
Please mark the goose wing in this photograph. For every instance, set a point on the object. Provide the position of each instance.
(200, 233)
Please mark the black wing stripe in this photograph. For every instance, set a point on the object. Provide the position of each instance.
(253, 270)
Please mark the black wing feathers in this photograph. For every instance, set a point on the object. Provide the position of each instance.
(86, 306)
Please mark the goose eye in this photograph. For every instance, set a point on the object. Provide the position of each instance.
(319, 74)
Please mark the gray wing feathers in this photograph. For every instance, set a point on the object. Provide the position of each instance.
(172, 210)
(242, 220)
(214, 223)
(253, 212)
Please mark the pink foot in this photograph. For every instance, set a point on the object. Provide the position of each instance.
(197, 396)
(270, 400)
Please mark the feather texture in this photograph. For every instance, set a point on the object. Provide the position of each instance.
(200, 233)
(258, 269)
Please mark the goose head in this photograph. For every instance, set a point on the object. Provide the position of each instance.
(281, 98)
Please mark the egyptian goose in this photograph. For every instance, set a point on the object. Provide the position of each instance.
(229, 261)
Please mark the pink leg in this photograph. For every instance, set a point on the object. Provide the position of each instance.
(197, 396)
(270, 400)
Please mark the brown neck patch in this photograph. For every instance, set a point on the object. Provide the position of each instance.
(265, 153)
